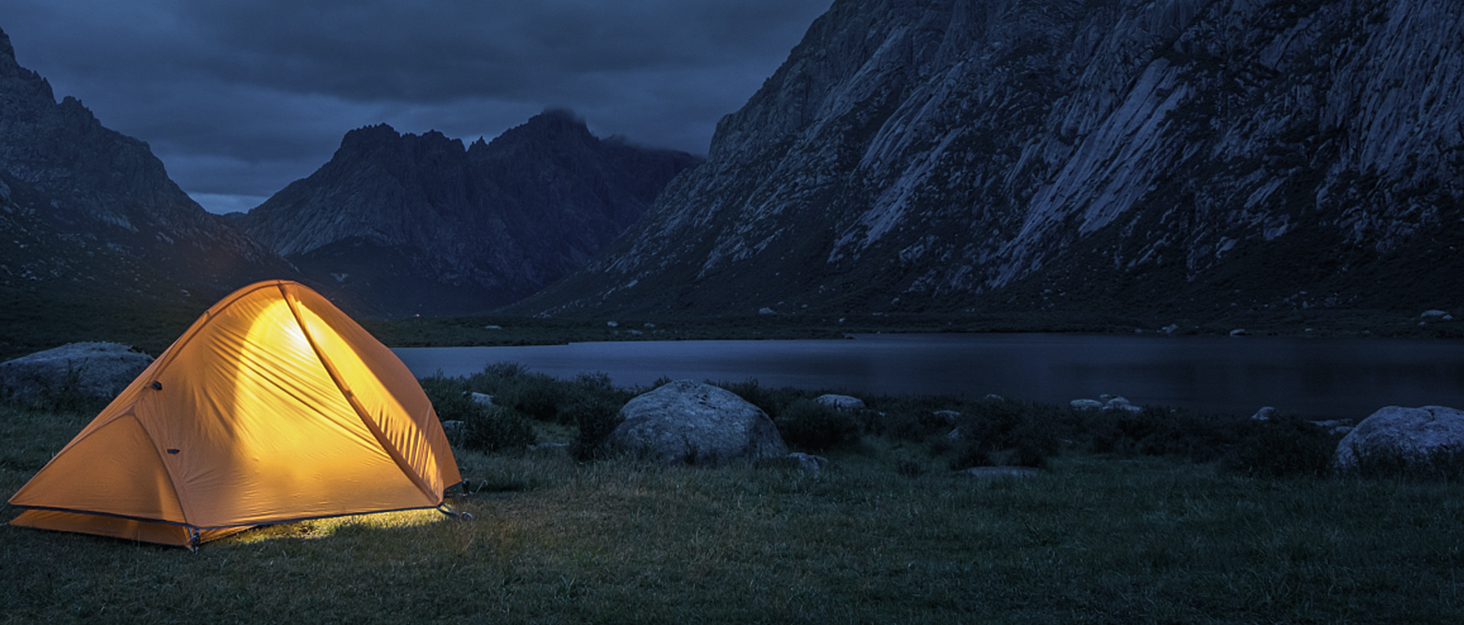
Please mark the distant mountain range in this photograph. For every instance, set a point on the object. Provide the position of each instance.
(1169, 156)
(1079, 155)
(399, 224)
(393, 225)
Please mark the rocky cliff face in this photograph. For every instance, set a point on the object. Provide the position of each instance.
(1183, 154)
(403, 224)
(89, 208)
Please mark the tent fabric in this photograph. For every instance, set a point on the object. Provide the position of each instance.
(274, 406)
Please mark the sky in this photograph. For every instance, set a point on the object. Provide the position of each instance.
(241, 97)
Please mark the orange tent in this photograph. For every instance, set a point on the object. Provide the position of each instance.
(273, 407)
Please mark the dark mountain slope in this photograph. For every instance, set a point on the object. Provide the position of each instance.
(1072, 155)
(404, 224)
(109, 190)
(98, 242)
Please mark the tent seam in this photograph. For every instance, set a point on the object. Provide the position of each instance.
(356, 406)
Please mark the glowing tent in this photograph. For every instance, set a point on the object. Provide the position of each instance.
(273, 407)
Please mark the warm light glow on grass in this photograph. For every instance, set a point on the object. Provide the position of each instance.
(325, 528)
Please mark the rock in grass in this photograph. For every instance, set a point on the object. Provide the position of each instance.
(99, 370)
(1086, 404)
(947, 417)
(842, 402)
(1402, 439)
(688, 422)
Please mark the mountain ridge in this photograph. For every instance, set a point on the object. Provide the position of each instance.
(1181, 154)
(463, 229)
(68, 176)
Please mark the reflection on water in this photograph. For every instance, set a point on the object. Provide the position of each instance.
(1333, 378)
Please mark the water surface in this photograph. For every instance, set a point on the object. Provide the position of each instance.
(1331, 378)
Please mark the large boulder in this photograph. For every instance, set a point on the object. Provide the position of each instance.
(687, 422)
(98, 370)
(1402, 437)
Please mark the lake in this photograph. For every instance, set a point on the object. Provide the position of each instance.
(1324, 378)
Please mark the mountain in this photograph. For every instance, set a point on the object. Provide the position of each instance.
(400, 224)
(107, 189)
(1084, 155)
(93, 223)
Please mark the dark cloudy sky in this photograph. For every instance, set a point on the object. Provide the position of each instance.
(241, 97)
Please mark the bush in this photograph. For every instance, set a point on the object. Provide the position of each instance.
(496, 428)
(1200, 437)
(1001, 432)
(485, 428)
(449, 397)
(534, 394)
(594, 409)
(809, 424)
(1282, 446)
(772, 401)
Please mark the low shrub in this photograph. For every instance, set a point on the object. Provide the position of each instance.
(809, 424)
(497, 428)
(772, 401)
(1200, 437)
(485, 428)
(1282, 446)
(449, 397)
(593, 407)
(1001, 432)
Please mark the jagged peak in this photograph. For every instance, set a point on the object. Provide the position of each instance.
(7, 51)
(370, 134)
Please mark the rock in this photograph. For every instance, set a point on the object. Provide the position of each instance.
(1086, 404)
(492, 327)
(1264, 414)
(842, 402)
(1169, 329)
(766, 311)
(1120, 403)
(946, 417)
(1002, 471)
(1434, 314)
(809, 462)
(994, 397)
(101, 370)
(955, 434)
(1335, 426)
(1410, 436)
(482, 399)
(688, 422)
(1238, 332)
(612, 324)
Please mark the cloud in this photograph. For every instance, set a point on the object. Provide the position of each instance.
(241, 97)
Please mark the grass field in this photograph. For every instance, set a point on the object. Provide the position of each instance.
(1096, 538)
